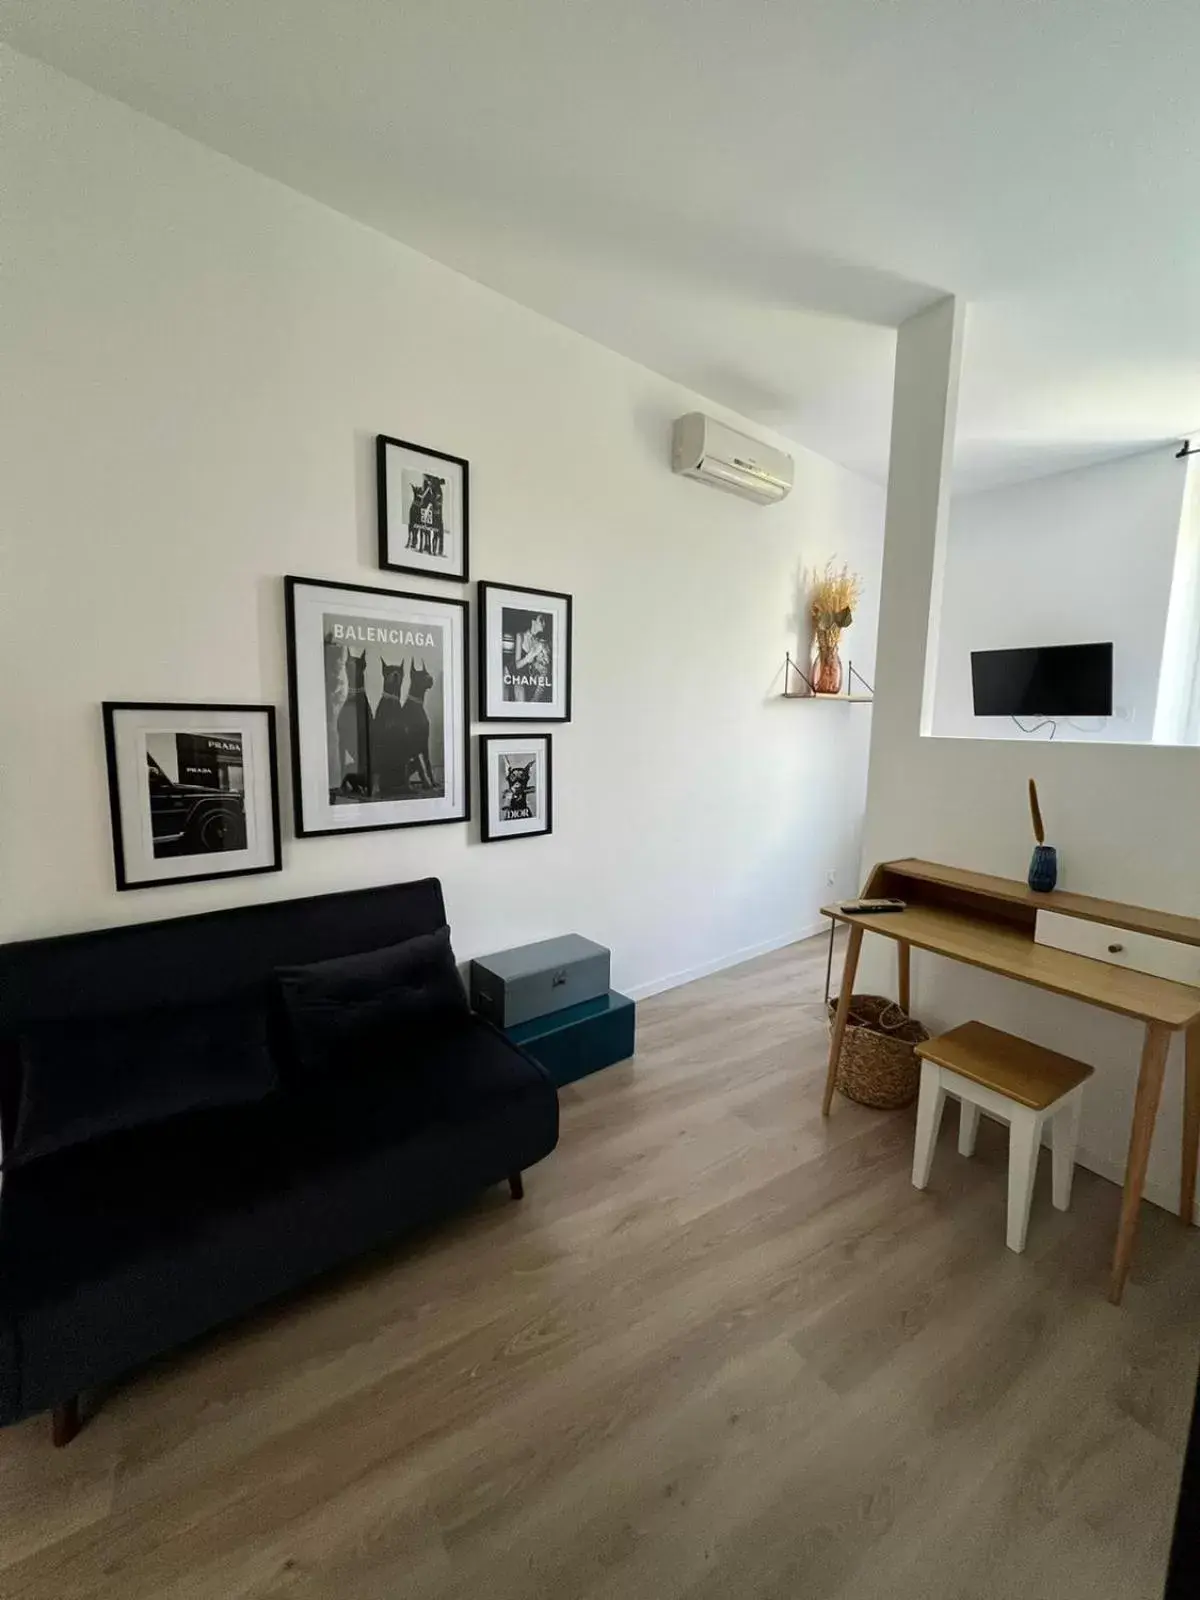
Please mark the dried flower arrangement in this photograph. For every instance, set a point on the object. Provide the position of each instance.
(834, 596)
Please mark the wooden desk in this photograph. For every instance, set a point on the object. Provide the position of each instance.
(989, 922)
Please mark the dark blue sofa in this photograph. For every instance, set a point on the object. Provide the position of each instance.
(118, 1249)
(1183, 1579)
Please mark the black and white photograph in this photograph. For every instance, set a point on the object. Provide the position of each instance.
(515, 785)
(524, 654)
(424, 509)
(378, 707)
(192, 792)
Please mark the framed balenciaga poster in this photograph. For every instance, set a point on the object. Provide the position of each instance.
(192, 792)
(514, 785)
(424, 509)
(378, 684)
(524, 654)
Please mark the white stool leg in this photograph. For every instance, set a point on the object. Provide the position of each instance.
(1024, 1139)
(929, 1120)
(1065, 1136)
(968, 1127)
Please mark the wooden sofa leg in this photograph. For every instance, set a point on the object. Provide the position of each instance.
(64, 1422)
(516, 1185)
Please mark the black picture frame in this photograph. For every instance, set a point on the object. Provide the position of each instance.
(531, 711)
(113, 709)
(486, 742)
(304, 827)
(385, 442)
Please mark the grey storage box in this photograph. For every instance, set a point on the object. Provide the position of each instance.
(514, 986)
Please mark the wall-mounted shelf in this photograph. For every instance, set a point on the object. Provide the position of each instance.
(846, 699)
(852, 697)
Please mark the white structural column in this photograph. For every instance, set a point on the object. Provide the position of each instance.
(924, 413)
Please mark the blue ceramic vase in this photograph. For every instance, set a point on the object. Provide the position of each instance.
(1043, 868)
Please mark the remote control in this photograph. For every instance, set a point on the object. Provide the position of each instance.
(866, 908)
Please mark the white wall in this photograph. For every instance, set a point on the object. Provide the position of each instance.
(196, 362)
(1123, 817)
(1076, 558)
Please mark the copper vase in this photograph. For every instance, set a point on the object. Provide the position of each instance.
(827, 672)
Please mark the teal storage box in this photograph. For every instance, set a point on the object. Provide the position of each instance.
(515, 986)
(582, 1039)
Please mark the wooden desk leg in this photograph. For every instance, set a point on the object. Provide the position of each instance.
(1191, 1124)
(843, 1007)
(1145, 1110)
(904, 975)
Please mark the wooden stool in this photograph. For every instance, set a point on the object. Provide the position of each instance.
(1014, 1080)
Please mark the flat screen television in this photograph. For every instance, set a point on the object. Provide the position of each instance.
(1055, 680)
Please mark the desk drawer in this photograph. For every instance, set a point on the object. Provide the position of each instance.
(1144, 952)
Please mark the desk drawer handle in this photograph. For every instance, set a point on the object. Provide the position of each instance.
(1115, 949)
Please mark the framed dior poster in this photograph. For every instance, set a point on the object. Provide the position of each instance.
(514, 785)
(192, 791)
(424, 509)
(524, 654)
(378, 684)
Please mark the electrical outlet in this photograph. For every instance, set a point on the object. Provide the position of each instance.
(831, 877)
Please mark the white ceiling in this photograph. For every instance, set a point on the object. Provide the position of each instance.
(746, 195)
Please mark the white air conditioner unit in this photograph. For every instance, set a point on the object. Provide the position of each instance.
(708, 450)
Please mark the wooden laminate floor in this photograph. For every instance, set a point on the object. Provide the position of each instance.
(722, 1349)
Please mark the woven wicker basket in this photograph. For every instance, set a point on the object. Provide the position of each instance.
(878, 1066)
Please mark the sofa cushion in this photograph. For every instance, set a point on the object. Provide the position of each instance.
(247, 1203)
(84, 1079)
(347, 1011)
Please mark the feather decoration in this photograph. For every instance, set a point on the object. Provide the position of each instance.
(1035, 811)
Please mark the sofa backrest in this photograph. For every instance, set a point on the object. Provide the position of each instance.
(195, 960)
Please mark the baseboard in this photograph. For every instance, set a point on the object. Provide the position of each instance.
(1158, 1193)
(675, 980)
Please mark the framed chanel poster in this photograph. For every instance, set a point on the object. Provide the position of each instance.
(424, 509)
(524, 654)
(515, 785)
(378, 685)
(192, 792)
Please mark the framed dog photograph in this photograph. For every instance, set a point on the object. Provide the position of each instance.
(192, 792)
(524, 654)
(378, 686)
(515, 773)
(424, 509)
